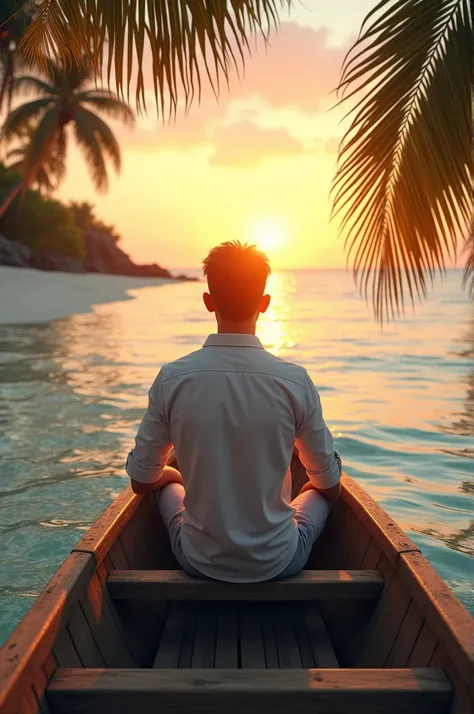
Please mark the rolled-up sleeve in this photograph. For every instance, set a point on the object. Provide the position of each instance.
(145, 463)
(315, 443)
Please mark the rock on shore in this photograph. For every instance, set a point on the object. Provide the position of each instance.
(102, 255)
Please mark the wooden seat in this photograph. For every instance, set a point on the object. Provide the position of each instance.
(235, 635)
(308, 585)
(314, 691)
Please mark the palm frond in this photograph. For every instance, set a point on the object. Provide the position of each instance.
(92, 149)
(42, 144)
(185, 40)
(107, 103)
(33, 85)
(20, 117)
(103, 134)
(468, 277)
(403, 185)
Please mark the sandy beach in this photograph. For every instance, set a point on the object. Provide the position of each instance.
(47, 296)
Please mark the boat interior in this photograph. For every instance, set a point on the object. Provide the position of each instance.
(367, 626)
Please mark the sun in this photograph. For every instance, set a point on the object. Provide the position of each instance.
(268, 234)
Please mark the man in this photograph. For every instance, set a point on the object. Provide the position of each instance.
(234, 413)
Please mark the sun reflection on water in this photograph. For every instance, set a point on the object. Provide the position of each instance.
(276, 328)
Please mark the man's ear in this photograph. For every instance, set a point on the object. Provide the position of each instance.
(265, 303)
(209, 302)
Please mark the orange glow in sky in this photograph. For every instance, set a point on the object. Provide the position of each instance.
(255, 166)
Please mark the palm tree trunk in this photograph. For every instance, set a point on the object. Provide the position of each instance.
(10, 197)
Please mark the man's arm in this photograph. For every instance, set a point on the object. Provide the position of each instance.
(316, 447)
(146, 463)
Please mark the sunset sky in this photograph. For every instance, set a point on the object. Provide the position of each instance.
(256, 166)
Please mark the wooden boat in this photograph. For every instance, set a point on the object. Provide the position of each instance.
(367, 627)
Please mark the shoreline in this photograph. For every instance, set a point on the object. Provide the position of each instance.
(49, 296)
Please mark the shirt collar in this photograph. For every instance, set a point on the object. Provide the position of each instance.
(231, 339)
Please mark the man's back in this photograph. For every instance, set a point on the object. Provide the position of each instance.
(233, 412)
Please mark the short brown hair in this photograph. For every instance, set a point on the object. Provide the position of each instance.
(236, 275)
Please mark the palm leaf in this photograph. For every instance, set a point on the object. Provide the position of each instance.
(34, 85)
(468, 278)
(403, 186)
(103, 134)
(20, 117)
(107, 104)
(92, 149)
(185, 39)
(42, 143)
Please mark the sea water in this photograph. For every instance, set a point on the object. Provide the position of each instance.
(398, 400)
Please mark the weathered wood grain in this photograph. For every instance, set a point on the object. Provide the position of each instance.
(252, 652)
(449, 621)
(169, 649)
(308, 585)
(321, 645)
(205, 639)
(33, 638)
(382, 528)
(102, 535)
(227, 638)
(315, 691)
(406, 638)
(285, 637)
(385, 623)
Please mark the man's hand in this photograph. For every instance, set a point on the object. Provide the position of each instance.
(169, 475)
(331, 494)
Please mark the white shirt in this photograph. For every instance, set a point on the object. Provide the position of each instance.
(233, 412)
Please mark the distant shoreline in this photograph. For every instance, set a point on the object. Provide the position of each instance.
(35, 296)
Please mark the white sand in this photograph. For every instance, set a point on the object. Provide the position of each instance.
(40, 296)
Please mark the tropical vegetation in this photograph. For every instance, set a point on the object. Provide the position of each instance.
(42, 224)
(64, 97)
(403, 186)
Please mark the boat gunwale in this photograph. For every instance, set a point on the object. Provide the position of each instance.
(35, 633)
(446, 615)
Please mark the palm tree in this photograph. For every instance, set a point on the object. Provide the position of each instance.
(65, 99)
(48, 176)
(403, 187)
(14, 19)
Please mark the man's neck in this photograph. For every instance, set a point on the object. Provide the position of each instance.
(237, 328)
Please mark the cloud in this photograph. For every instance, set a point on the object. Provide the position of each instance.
(245, 144)
(299, 69)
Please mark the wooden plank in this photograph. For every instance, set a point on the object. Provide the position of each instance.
(424, 648)
(449, 620)
(439, 657)
(302, 638)
(143, 530)
(227, 638)
(333, 547)
(285, 637)
(252, 653)
(319, 640)
(381, 526)
(65, 651)
(385, 623)
(205, 640)
(372, 557)
(359, 547)
(189, 637)
(268, 636)
(32, 639)
(169, 649)
(316, 691)
(118, 557)
(102, 535)
(463, 701)
(84, 641)
(406, 638)
(103, 627)
(308, 585)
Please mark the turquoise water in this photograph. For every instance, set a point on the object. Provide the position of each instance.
(400, 403)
